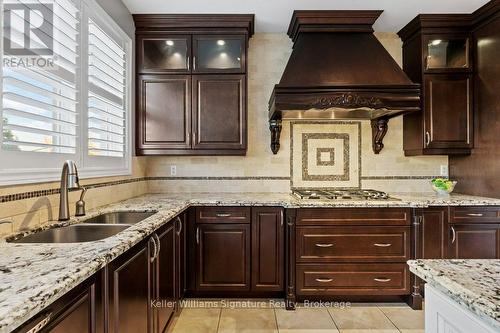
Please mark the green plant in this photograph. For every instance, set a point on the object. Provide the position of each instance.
(442, 183)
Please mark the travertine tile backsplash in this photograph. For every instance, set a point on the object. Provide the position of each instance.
(259, 171)
(268, 55)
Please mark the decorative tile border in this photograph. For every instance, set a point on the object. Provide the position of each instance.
(54, 191)
(330, 151)
(305, 151)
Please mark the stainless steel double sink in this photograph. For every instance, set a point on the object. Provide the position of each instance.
(92, 229)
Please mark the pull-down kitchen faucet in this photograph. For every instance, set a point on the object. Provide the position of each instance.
(69, 181)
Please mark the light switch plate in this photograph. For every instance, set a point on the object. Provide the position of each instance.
(444, 170)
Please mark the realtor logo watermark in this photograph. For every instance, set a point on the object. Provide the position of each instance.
(28, 35)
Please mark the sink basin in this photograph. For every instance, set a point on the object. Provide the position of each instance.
(119, 218)
(75, 233)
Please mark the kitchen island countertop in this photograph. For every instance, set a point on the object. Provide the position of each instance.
(473, 283)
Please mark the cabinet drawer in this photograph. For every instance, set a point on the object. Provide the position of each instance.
(480, 214)
(353, 216)
(223, 215)
(353, 243)
(352, 279)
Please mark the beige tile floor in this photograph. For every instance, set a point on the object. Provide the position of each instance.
(227, 316)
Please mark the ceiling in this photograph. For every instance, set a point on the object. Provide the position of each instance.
(274, 15)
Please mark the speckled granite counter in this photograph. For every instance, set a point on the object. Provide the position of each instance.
(473, 283)
(33, 276)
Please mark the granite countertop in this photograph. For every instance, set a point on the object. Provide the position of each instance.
(473, 283)
(32, 276)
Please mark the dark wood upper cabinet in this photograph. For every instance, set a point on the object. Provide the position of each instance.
(219, 112)
(219, 54)
(437, 54)
(178, 112)
(166, 54)
(164, 120)
(446, 53)
(448, 115)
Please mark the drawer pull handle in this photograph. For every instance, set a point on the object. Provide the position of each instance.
(475, 214)
(324, 280)
(382, 280)
(382, 244)
(38, 327)
(222, 214)
(324, 245)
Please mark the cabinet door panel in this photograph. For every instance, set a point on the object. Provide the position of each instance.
(433, 234)
(78, 314)
(180, 250)
(448, 111)
(475, 242)
(130, 293)
(221, 53)
(165, 54)
(267, 249)
(223, 257)
(165, 276)
(219, 112)
(164, 112)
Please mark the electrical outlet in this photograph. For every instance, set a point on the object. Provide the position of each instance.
(444, 170)
(173, 170)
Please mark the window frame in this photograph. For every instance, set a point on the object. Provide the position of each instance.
(87, 166)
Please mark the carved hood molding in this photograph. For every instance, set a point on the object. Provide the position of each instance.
(339, 70)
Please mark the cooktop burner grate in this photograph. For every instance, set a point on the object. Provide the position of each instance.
(342, 194)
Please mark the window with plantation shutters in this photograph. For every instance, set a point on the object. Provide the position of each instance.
(78, 108)
(106, 103)
(40, 106)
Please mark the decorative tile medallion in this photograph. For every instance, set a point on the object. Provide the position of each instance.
(325, 154)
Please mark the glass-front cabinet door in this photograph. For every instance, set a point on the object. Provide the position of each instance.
(219, 54)
(448, 54)
(166, 54)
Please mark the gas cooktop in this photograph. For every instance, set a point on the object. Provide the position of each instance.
(342, 194)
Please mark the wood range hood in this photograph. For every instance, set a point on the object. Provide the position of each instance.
(339, 70)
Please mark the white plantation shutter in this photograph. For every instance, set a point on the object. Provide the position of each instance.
(79, 110)
(40, 106)
(106, 100)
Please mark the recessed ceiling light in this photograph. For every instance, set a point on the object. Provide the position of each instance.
(170, 42)
(223, 54)
(221, 42)
(436, 42)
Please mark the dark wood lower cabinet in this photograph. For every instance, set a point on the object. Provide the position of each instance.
(73, 312)
(130, 279)
(223, 257)
(267, 249)
(165, 277)
(475, 242)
